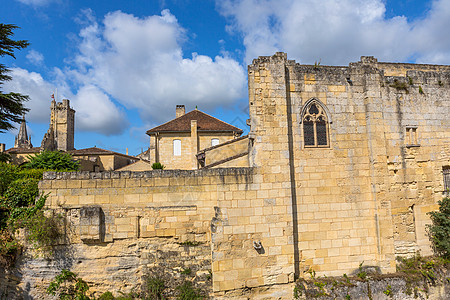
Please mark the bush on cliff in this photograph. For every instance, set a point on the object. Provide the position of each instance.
(439, 230)
(67, 285)
(21, 207)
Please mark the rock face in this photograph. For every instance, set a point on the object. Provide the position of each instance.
(122, 266)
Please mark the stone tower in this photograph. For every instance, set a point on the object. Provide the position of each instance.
(22, 138)
(60, 135)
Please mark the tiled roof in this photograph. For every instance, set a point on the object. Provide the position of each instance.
(205, 122)
(96, 151)
(23, 150)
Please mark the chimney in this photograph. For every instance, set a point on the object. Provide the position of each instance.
(180, 111)
(2, 147)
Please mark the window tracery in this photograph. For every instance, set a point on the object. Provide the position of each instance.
(315, 125)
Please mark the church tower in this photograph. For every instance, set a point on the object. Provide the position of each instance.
(60, 135)
(22, 138)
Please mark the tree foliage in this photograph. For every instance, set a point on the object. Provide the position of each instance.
(53, 160)
(21, 207)
(439, 230)
(21, 193)
(11, 104)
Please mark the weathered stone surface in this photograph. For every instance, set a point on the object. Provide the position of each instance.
(121, 266)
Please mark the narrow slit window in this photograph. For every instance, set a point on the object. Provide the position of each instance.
(177, 147)
(411, 136)
(446, 173)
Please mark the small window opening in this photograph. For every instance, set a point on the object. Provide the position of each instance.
(177, 147)
(214, 142)
(411, 136)
(446, 173)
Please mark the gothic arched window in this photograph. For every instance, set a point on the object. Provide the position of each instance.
(315, 125)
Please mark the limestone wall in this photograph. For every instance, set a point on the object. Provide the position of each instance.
(355, 199)
(232, 153)
(245, 222)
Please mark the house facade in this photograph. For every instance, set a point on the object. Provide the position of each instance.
(176, 143)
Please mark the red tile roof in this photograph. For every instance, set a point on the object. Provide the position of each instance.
(23, 150)
(97, 151)
(205, 122)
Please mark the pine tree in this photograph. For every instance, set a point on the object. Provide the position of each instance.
(11, 104)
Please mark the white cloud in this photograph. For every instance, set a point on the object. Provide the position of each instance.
(36, 2)
(139, 62)
(96, 112)
(35, 57)
(337, 32)
(33, 85)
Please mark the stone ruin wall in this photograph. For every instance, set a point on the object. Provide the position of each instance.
(365, 197)
(121, 226)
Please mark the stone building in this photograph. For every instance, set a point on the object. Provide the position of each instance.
(60, 137)
(176, 143)
(22, 139)
(98, 160)
(344, 163)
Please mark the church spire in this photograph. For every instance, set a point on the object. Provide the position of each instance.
(22, 138)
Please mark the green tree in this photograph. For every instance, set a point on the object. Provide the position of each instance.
(439, 230)
(11, 104)
(53, 160)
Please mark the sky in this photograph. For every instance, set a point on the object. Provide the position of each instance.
(125, 65)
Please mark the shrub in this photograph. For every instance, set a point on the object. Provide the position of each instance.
(158, 166)
(399, 85)
(155, 286)
(9, 248)
(187, 292)
(30, 173)
(20, 193)
(67, 285)
(53, 160)
(41, 231)
(439, 230)
(106, 296)
(4, 157)
(8, 173)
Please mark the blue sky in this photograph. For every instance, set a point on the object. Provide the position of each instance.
(124, 65)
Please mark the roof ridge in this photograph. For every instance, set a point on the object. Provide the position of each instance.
(206, 122)
(219, 120)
